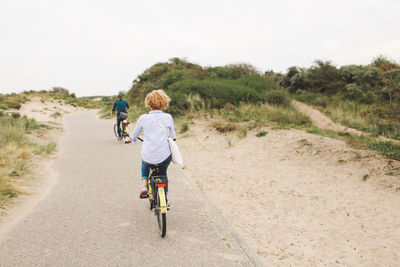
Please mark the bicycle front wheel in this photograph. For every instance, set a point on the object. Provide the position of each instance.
(116, 131)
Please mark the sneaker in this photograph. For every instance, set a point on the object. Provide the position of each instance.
(144, 193)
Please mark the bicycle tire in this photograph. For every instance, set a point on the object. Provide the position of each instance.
(151, 196)
(116, 131)
(124, 133)
(161, 218)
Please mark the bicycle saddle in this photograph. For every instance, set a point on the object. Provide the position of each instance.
(158, 169)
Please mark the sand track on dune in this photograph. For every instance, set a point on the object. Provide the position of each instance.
(322, 121)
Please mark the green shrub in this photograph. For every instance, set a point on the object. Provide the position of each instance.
(241, 69)
(387, 148)
(314, 130)
(277, 97)
(45, 149)
(184, 127)
(265, 113)
(15, 115)
(3, 106)
(261, 133)
(216, 92)
(224, 127)
(56, 114)
(171, 78)
(242, 131)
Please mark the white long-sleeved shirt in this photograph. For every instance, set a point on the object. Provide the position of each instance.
(155, 147)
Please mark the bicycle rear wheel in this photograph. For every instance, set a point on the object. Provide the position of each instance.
(151, 196)
(161, 217)
(124, 134)
(116, 131)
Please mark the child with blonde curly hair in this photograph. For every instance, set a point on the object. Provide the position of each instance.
(155, 148)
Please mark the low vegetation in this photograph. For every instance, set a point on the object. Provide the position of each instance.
(363, 97)
(261, 133)
(16, 152)
(20, 142)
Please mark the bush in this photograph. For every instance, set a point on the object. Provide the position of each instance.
(184, 127)
(219, 72)
(216, 92)
(224, 127)
(242, 131)
(277, 97)
(242, 69)
(171, 78)
(389, 149)
(60, 90)
(15, 115)
(261, 133)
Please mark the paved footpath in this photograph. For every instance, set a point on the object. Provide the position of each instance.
(94, 217)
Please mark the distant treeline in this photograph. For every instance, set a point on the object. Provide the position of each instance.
(377, 82)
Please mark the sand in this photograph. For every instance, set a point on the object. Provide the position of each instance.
(297, 198)
(51, 111)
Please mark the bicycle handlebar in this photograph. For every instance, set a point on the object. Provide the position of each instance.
(142, 139)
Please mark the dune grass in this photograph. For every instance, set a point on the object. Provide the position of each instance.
(267, 114)
(16, 153)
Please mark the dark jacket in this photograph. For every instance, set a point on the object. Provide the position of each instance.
(120, 105)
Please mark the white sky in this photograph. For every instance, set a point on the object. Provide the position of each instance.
(95, 47)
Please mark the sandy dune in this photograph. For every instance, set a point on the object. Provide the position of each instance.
(300, 199)
(47, 111)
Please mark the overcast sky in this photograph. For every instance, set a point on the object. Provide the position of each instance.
(95, 47)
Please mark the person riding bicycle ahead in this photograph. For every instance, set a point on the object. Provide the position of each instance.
(121, 106)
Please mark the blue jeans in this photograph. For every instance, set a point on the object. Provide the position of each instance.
(146, 171)
(119, 125)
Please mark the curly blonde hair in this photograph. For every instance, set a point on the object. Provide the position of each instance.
(157, 100)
